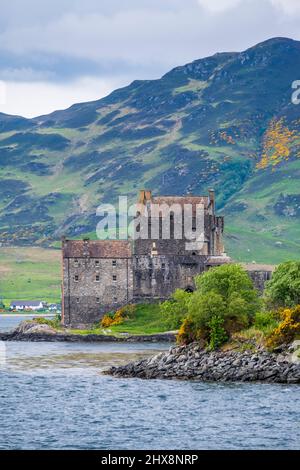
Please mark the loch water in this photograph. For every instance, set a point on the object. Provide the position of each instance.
(54, 396)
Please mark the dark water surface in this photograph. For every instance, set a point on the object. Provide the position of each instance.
(53, 396)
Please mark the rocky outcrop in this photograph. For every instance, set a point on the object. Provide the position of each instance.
(30, 327)
(192, 362)
(35, 332)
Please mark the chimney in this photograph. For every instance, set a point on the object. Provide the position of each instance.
(144, 196)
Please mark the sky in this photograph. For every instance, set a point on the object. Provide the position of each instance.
(54, 53)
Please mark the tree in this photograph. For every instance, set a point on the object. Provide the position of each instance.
(225, 301)
(235, 287)
(217, 333)
(283, 290)
(175, 309)
(203, 307)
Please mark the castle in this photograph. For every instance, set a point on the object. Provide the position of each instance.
(102, 275)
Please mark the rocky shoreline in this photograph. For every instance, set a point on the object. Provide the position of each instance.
(32, 332)
(193, 363)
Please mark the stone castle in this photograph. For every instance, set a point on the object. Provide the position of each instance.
(103, 275)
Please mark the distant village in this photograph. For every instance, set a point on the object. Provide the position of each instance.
(30, 306)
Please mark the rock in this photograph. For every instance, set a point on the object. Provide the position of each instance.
(190, 363)
(36, 332)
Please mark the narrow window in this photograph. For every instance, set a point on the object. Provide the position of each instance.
(114, 263)
(76, 262)
(77, 300)
(98, 300)
(114, 277)
(163, 266)
(97, 278)
(115, 300)
(76, 278)
(97, 263)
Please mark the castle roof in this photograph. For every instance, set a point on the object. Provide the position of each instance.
(97, 249)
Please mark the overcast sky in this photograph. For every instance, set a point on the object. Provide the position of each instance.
(54, 53)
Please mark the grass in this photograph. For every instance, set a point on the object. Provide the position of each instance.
(30, 273)
(147, 321)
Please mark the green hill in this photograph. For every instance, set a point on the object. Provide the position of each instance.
(224, 121)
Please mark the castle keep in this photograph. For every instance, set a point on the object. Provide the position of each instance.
(102, 275)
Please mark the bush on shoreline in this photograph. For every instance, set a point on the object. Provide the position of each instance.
(176, 309)
(54, 323)
(225, 301)
(288, 328)
(283, 290)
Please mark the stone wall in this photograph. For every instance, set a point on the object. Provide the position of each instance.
(92, 286)
(259, 274)
(159, 276)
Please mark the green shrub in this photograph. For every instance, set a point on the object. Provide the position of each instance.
(217, 333)
(54, 323)
(175, 309)
(225, 302)
(265, 321)
(283, 290)
(234, 285)
(202, 307)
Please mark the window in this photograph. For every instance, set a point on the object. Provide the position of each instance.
(114, 263)
(114, 277)
(97, 278)
(76, 262)
(77, 300)
(76, 278)
(98, 300)
(163, 266)
(97, 263)
(115, 300)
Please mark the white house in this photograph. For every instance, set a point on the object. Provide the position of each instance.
(27, 305)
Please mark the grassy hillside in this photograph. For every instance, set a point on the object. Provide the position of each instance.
(30, 274)
(225, 121)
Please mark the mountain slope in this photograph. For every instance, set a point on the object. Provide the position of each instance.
(225, 121)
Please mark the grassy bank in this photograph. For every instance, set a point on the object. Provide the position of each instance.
(147, 320)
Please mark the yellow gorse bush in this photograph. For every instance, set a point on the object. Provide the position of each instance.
(287, 329)
(277, 143)
(185, 333)
(118, 317)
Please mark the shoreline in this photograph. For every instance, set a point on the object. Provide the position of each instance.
(38, 337)
(30, 315)
(193, 363)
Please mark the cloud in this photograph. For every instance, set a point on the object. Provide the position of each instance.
(218, 5)
(290, 7)
(61, 43)
(3, 94)
(34, 99)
